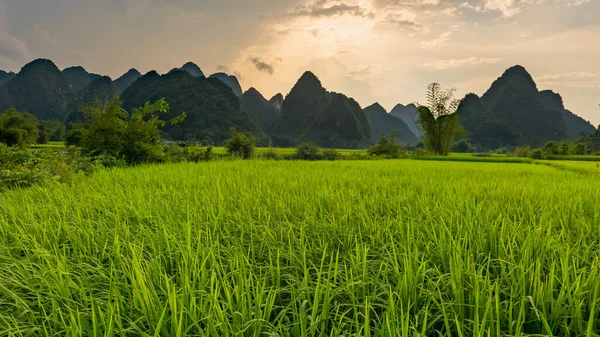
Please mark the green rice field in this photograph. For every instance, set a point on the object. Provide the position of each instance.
(291, 248)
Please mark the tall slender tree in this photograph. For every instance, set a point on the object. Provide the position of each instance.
(438, 120)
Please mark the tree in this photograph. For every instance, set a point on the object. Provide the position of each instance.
(307, 151)
(240, 145)
(51, 131)
(387, 146)
(18, 128)
(109, 130)
(438, 120)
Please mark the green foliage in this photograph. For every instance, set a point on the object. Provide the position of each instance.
(18, 128)
(537, 154)
(26, 167)
(111, 131)
(522, 151)
(240, 145)
(387, 147)
(259, 109)
(463, 146)
(438, 121)
(51, 131)
(330, 154)
(307, 151)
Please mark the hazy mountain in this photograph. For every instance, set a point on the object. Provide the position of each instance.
(514, 99)
(101, 89)
(409, 115)
(78, 77)
(231, 81)
(39, 88)
(382, 123)
(5, 77)
(277, 101)
(123, 82)
(576, 126)
(311, 114)
(191, 68)
(211, 106)
(263, 112)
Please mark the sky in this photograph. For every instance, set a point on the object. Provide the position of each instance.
(384, 51)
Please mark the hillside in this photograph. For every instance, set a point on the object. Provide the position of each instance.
(101, 90)
(576, 126)
(382, 123)
(127, 79)
(211, 107)
(78, 77)
(191, 68)
(310, 113)
(259, 109)
(231, 81)
(277, 101)
(410, 116)
(39, 88)
(513, 99)
(5, 76)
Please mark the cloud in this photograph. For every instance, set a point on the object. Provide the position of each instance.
(320, 9)
(262, 65)
(467, 5)
(43, 34)
(453, 63)
(13, 50)
(436, 43)
(572, 80)
(223, 68)
(575, 3)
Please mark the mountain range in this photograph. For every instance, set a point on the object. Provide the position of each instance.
(512, 112)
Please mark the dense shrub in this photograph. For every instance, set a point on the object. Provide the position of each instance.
(271, 154)
(18, 128)
(387, 146)
(330, 154)
(307, 151)
(463, 146)
(240, 145)
(537, 154)
(522, 151)
(28, 167)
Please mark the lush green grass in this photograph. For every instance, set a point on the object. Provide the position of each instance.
(593, 158)
(471, 158)
(263, 248)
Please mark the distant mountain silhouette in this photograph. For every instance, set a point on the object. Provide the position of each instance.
(78, 77)
(410, 116)
(191, 68)
(263, 112)
(513, 99)
(211, 106)
(123, 82)
(6, 76)
(576, 126)
(311, 114)
(382, 123)
(102, 90)
(277, 101)
(485, 130)
(513, 112)
(231, 81)
(39, 88)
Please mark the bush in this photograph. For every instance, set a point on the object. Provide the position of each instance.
(482, 154)
(271, 154)
(522, 151)
(27, 167)
(307, 151)
(386, 146)
(463, 146)
(240, 146)
(331, 154)
(537, 154)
